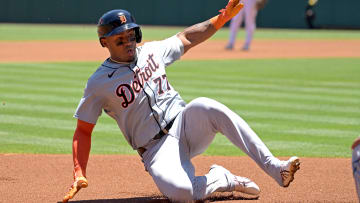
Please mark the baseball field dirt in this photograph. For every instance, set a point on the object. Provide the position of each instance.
(48, 51)
(121, 178)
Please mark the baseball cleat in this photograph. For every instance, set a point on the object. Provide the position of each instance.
(238, 183)
(289, 169)
(246, 186)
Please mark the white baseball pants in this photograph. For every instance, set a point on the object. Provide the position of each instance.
(169, 160)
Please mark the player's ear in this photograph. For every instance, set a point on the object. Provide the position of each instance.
(103, 42)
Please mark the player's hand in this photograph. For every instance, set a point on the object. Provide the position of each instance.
(80, 182)
(232, 8)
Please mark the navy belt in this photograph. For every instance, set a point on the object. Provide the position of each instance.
(161, 134)
(164, 131)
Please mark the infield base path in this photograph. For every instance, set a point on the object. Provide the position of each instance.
(121, 178)
(48, 51)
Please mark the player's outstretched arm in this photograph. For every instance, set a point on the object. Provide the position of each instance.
(81, 151)
(198, 33)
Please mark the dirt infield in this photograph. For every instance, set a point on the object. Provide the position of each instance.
(121, 178)
(115, 178)
(92, 51)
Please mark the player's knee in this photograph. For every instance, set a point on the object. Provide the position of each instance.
(181, 193)
(203, 103)
(208, 106)
(201, 100)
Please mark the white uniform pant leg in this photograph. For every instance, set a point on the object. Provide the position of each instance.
(171, 171)
(250, 21)
(204, 117)
(169, 161)
(235, 23)
(199, 130)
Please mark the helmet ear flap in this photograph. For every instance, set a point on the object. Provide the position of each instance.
(101, 42)
(138, 34)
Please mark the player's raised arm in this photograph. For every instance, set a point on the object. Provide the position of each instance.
(198, 33)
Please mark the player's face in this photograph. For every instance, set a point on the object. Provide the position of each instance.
(122, 46)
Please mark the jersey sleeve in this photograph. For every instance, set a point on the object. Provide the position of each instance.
(173, 49)
(90, 107)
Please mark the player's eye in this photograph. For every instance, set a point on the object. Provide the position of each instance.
(122, 41)
(132, 38)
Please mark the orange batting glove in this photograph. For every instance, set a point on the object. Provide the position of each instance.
(232, 8)
(80, 182)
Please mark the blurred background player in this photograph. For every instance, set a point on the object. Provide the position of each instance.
(248, 15)
(356, 164)
(310, 13)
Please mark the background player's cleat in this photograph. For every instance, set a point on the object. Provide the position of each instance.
(238, 183)
(289, 169)
(246, 48)
(229, 47)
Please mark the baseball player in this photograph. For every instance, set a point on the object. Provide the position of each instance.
(356, 164)
(310, 13)
(249, 13)
(132, 87)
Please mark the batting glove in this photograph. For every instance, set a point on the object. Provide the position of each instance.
(80, 182)
(232, 8)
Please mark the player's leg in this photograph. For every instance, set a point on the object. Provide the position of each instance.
(170, 172)
(204, 117)
(218, 179)
(234, 27)
(250, 23)
(174, 174)
(168, 162)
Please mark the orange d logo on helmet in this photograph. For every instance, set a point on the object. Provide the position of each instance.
(122, 19)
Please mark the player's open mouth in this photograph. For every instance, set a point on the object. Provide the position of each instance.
(131, 52)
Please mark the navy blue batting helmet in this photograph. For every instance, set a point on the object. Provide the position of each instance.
(116, 21)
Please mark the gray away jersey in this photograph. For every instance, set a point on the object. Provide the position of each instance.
(137, 95)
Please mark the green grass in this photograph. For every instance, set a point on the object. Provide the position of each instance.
(297, 106)
(307, 107)
(11, 32)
